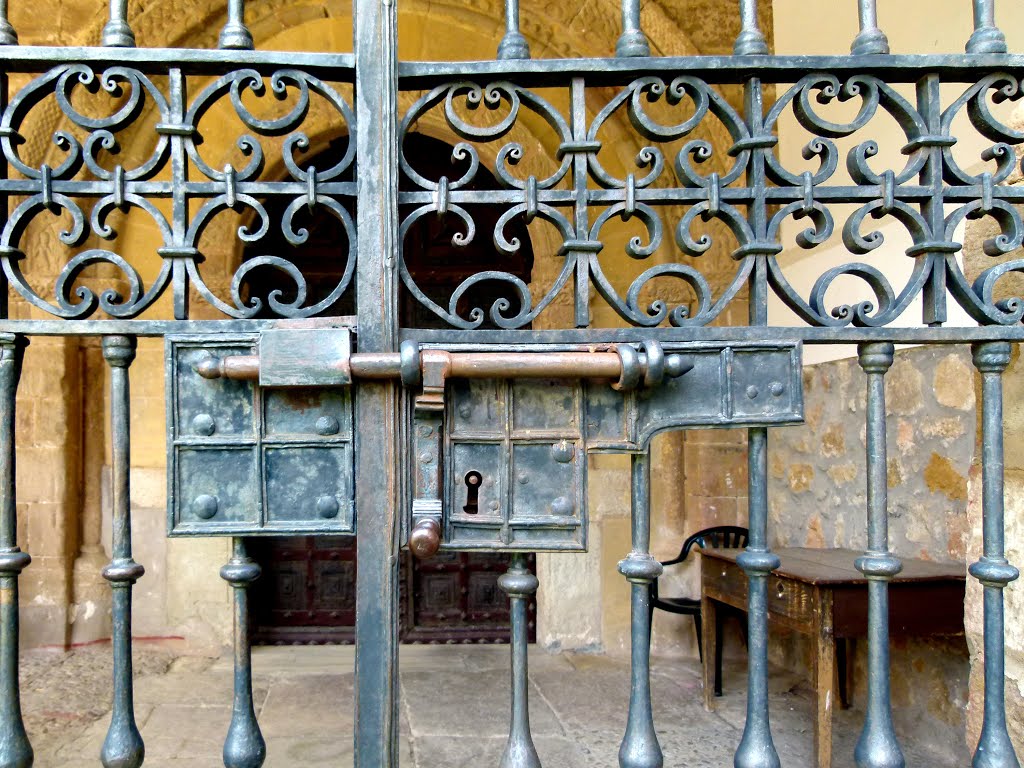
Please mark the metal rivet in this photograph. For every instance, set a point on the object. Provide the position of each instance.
(493, 506)
(465, 411)
(327, 425)
(426, 458)
(523, 478)
(777, 388)
(563, 451)
(327, 507)
(426, 430)
(203, 424)
(204, 506)
(753, 392)
(561, 506)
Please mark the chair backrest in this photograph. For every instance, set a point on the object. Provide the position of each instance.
(719, 537)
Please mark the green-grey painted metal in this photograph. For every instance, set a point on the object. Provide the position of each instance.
(877, 746)
(123, 746)
(378, 481)
(520, 585)
(994, 572)
(15, 749)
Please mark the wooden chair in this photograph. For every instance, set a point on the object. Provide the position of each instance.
(719, 537)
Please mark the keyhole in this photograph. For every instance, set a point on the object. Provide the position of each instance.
(473, 480)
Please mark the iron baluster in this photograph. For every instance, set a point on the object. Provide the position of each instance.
(235, 34)
(870, 39)
(640, 747)
(116, 32)
(994, 572)
(8, 36)
(244, 746)
(751, 41)
(878, 746)
(756, 749)
(15, 749)
(987, 37)
(513, 45)
(632, 41)
(520, 585)
(123, 746)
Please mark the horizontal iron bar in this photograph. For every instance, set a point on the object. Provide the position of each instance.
(953, 67)
(565, 338)
(337, 67)
(462, 365)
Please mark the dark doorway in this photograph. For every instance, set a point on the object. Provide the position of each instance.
(307, 591)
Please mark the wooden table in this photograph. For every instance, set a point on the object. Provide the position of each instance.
(819, 592)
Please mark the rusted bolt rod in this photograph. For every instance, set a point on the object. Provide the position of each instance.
(467, 365)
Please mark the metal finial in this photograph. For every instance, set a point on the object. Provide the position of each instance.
(871, 39)
(116, 32)
(7, 34)
(235, 34)
(751, 40)
(632, 41)
(513, 45)
(987, 37)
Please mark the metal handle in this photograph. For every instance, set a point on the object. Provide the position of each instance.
(425, 538)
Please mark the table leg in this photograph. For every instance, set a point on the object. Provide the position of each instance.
(824, 679)
(709, 629)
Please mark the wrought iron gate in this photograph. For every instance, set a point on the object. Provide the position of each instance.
(475, 437)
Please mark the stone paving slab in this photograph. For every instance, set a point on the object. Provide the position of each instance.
(454, 711)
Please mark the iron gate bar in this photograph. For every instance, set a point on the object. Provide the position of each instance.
(15, 749)
(123, 746)
(520, 585)
(877, 746)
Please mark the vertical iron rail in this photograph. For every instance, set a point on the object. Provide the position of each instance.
(519, 584)
(513, 45)
(244, 746)
(116, 32)
(640, 747)
(756, 749)
(751, 41)
(632, 41)
(376, 403)
(878, 746)
(994, 572)
(235, 34)
(870, 39)
(987, 37)
(15, 750)
(123, 746)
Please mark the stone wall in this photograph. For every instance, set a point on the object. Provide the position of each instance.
(818, 499)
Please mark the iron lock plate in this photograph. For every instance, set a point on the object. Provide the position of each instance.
(246, 459)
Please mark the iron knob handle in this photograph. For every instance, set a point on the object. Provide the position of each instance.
(425, 538)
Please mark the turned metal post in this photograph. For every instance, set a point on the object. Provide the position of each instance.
(632, 41)
(994, 572)
(116, 32)
(751, 40)
(7, 34)
(987, 37)
(244, 746)
(520, 585)
(235, 34)
(878, 746)
(640, 747)
(756, 749)
(15, 750)
(870, 39)
(513, 45)
(123, 746)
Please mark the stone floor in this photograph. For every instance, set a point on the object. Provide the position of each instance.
(454, 710)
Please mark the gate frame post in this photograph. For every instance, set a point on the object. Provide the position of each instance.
(376, 403)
